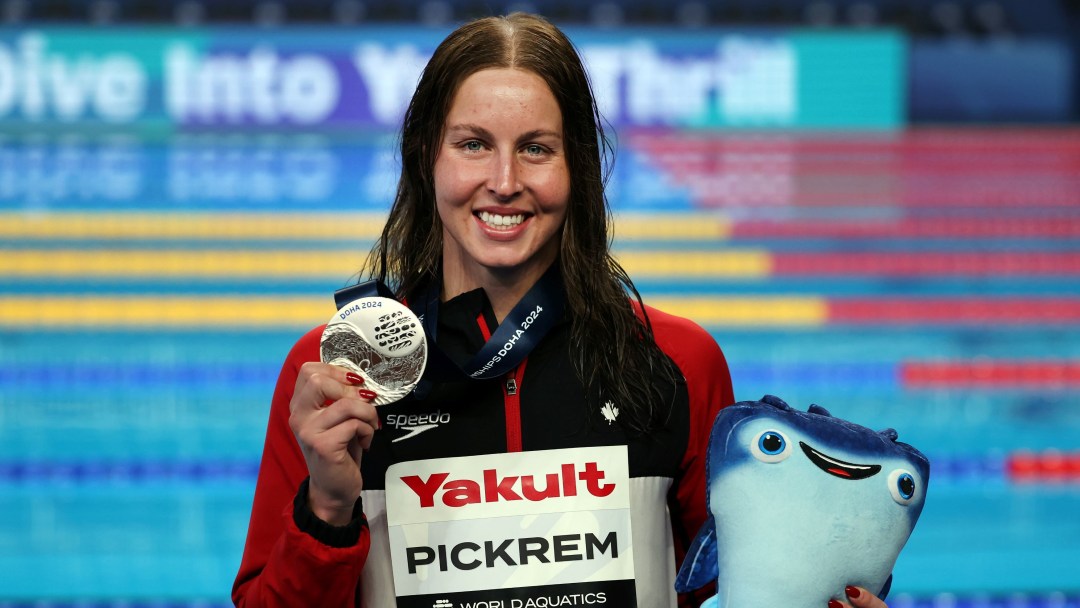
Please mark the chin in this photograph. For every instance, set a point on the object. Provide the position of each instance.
(504, 265)
(495, 257)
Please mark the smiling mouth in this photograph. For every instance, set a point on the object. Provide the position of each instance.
(839, 468)
(500, 222)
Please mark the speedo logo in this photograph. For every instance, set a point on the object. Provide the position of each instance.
(416, 423)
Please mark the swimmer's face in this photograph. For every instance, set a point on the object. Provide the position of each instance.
(502, 182)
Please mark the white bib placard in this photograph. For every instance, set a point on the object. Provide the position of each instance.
(542, 529)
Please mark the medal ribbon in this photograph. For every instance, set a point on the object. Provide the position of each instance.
(517, 335)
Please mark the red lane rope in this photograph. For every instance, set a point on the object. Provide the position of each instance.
(919, 264)
(911, 228)
(1048, 466)
(963, 311)
(1044, 375)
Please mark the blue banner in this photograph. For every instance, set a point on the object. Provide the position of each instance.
(311, 78)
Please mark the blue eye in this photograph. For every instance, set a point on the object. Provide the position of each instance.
(906, 485)
(473, 146)
(902, 486)
(772, 443)
(771, 446)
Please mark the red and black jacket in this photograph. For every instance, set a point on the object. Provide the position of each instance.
(292, 559)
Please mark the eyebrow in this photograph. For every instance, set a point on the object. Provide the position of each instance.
(485, 134)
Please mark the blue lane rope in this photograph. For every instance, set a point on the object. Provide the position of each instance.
(184, 374)
(132, 471)
(1052, 599)
(1059, 599)
(947, 469)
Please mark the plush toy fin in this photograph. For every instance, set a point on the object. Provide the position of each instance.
(776, 402)
(699, 568)
(885, 588)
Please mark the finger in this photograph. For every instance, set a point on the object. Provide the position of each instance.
(344, 375)
(344, 439)
(348, 408)
(341, 374)
(364, 434)
(309, 369)
(317, 385)
(861, 598)
(356, 449)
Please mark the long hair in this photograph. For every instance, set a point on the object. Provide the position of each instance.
(612, 349)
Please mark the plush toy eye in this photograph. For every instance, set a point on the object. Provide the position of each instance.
(902, 486)
(770, 446)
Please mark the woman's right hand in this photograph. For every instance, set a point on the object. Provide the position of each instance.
(334, 420)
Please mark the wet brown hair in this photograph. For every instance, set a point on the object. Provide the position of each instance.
(612, 349)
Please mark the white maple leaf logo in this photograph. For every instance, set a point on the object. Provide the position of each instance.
(610, 412)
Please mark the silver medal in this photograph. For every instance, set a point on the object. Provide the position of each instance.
(381, 340)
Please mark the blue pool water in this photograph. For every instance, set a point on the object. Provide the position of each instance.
(128, 454)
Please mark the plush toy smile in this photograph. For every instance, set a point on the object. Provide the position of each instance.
(833, 466)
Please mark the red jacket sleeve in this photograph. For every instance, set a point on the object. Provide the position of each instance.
(283, 566)
(708, 383)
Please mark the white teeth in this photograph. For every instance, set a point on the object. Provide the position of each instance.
(501, 221)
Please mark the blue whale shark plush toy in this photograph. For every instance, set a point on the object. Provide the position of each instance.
(801, 504)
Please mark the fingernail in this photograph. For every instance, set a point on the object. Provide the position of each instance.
(835, 604)
(354, 379)
(366, 394)
(852, 592)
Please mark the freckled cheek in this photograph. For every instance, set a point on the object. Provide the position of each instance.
(453, 188)
(553, 193)
(455, 214)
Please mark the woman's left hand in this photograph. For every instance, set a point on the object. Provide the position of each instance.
(859, 598)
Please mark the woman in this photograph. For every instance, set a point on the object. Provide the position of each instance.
(500, 205)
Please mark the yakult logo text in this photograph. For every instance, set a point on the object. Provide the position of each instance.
(492, 487)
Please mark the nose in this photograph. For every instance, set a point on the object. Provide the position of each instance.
(504, 181)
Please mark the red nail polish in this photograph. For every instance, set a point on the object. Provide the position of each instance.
(366, 394)
(354, 379)
(852, 592)
(835, 604)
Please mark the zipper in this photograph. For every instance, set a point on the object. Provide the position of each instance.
(512, 406)
(511, 394)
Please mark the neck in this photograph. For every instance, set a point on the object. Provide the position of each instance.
(504, 287)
